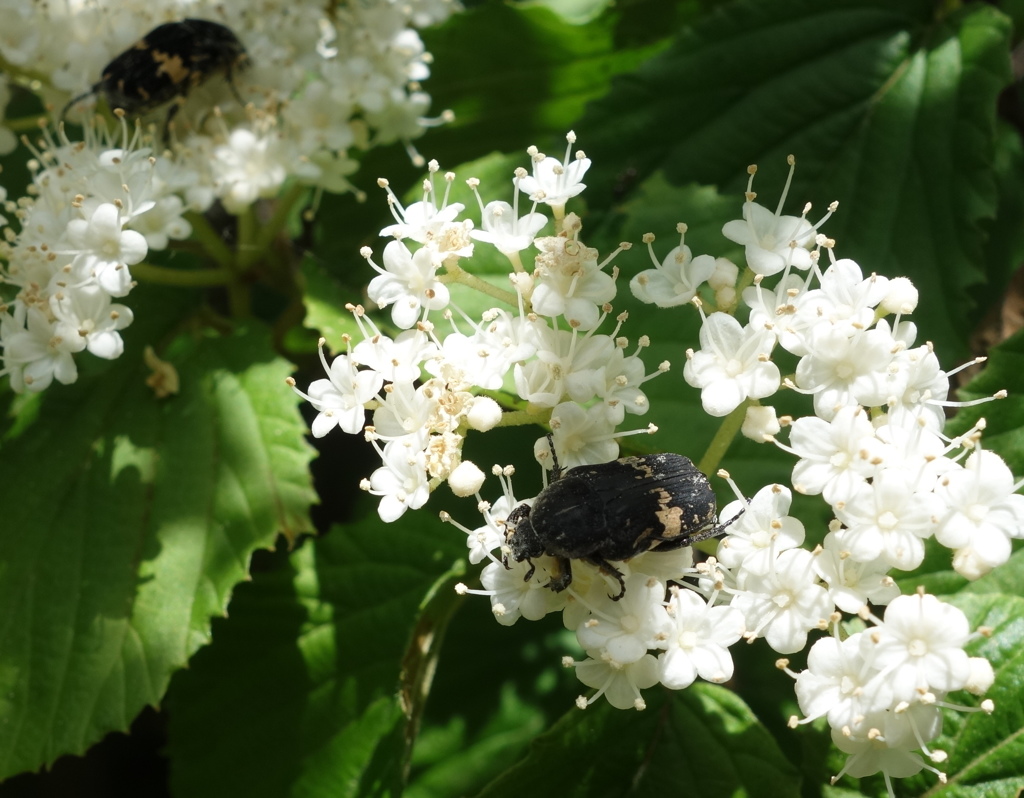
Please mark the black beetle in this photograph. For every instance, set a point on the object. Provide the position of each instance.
(167, 63)
(614, 511)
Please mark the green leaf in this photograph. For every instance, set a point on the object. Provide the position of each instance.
(889, 109)
(297, 694)
(704, 738)
(134, 518)
(513, 73)
(325, 301)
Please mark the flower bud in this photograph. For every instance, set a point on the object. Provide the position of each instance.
(484, 414)
(901, 297)
(466, 479)
(760, 422)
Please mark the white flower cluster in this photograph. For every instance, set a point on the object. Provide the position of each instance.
(94, 211)
(873, 447)
(323, 78)
(319, 83)
(581, 381)
(883, 689)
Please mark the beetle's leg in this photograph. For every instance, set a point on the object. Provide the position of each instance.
(609, 569)
(529, 573)
(561, 580)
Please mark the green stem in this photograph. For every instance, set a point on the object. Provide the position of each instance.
(283, 207)
(517, 418)
(24, 124)
(723, 439)
(246, 253)
(185, 278)
(456, 275)
(212, 243)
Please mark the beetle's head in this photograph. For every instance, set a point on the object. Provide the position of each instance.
(520, 536)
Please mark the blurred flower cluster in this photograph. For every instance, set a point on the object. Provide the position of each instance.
(321, 83)
(871, 444)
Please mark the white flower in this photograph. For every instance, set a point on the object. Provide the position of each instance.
(846, 300)
(625, 629)
(784, 604)
(88, 309)
(402, 481)
(250, 166)
(104, 250)
(984, 511)
(408, 283)
(513, 596)
(617, 383)
(870, 755)
(568, 281)
(732, 365)
(919, 646)
(852, 584)
(842, 370)
(341, 398)
(674, 281)
(771, 242)
(485, 539)
(762, 531)
(887, 520)
(37, 351)
(840, 684)
(582, 436)
(699, 644)
(486, 356)
(619, 683)
(163, 222)
(508, 232)
(837, 456)
(553, 181)
(398, 359)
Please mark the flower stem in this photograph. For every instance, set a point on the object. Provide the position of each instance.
(212, 243)
(283, 207)
(185, 278)
(247, 251)
(723, 439)
(517, 418)
(455, 274)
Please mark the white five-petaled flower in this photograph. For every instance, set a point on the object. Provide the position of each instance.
(837, 456)
(699, 643)
(408, 282)
(784, 604)
(104, 250)
(919, 646)
(887, 520)
(620, 683)
(674, 281)
(984, 511)
(341, 398)
(402, 481)
(625, 629)
(732, 364)
(764, 530)
(771, 241)
(553, 181)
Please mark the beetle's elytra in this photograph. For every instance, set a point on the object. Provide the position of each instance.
(614, 511)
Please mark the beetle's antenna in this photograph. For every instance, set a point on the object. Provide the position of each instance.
(556, 469)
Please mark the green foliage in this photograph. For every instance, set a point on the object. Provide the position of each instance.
(347, 666)
(128, 521)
